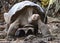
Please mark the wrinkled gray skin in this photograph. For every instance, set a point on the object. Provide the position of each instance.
(21, 20)
(29, 17)
(44, 29)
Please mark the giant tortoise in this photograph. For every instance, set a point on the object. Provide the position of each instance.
(19, 14)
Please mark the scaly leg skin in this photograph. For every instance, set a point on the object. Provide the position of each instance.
(12, 28)
(6, 28)
(44, 29)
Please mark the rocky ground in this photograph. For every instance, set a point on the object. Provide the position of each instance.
(54, 28)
